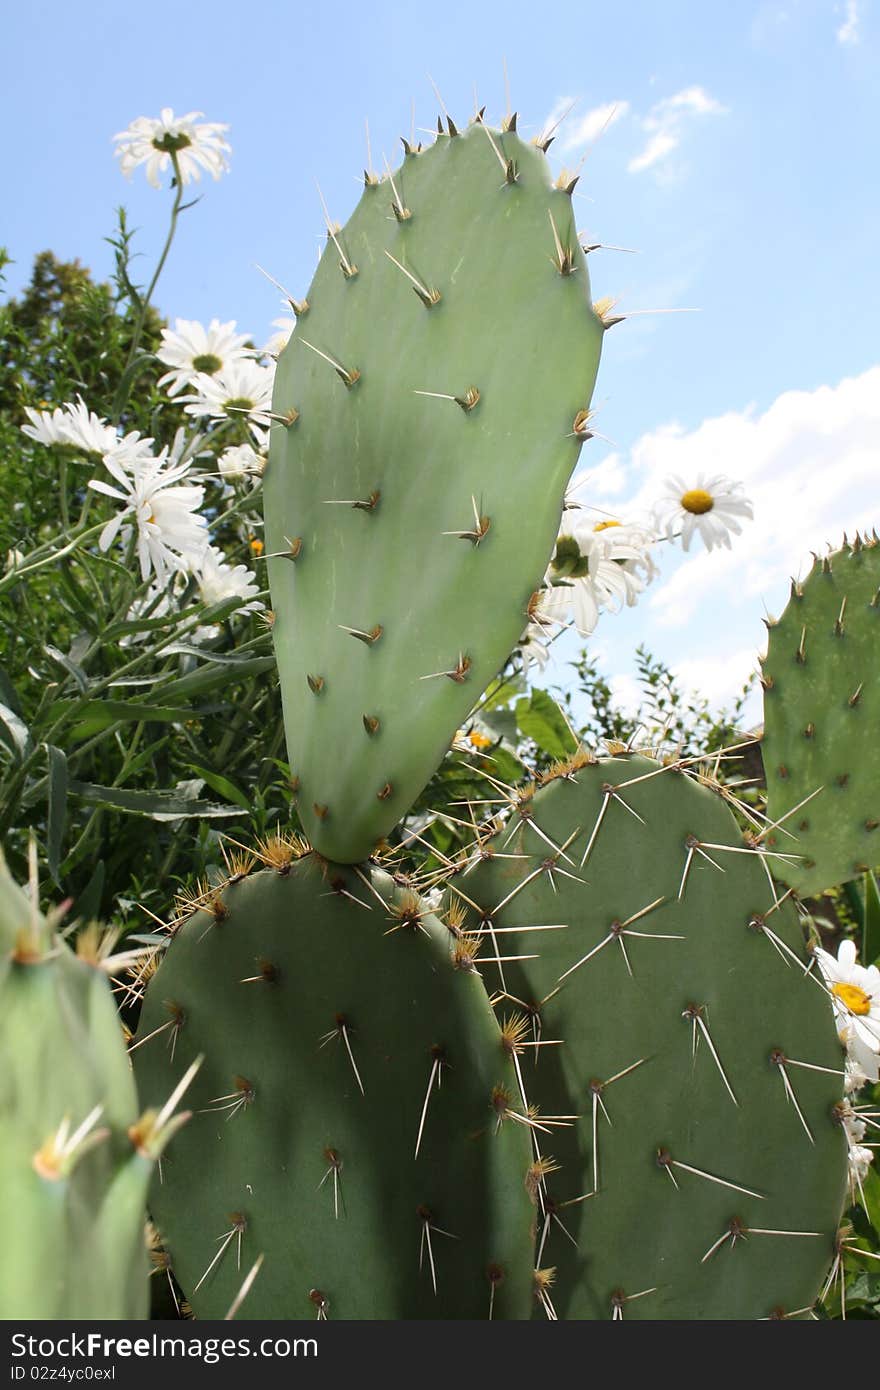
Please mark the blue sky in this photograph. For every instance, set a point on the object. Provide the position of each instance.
(741, 160)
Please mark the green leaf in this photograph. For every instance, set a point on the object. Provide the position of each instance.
(67, 665)
(540, 719)
(160, 806)
(212, 675)
(57, 808)
(866, 1288)
(206, 654)
(132, 625)
(126, 381)
(96, 715)
(87, 905)
(14, 733)
(502, 722)
(871, 923)
(501, 694)
(7, 693)
(222, 786)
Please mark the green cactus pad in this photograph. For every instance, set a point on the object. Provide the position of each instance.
(325, 1023)
(633, 978)
(73, 1225)
(821, 706)
(410, 529)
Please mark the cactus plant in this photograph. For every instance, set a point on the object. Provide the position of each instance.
(357, 1121)
(429, 410)
(820, 750)
(75, 1159)
(671, 1017)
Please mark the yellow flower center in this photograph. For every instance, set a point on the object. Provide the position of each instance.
(256, 546)
(697, 500)
(604, 525)
(477, 740)
(855, 999)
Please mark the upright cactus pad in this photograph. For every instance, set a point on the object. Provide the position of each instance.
(821, 718)
(356, 1106)
(436, 389)
(73, 1170)
(703, 1170)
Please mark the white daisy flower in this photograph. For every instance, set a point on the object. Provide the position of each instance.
(854, 1078)
(241, 389)
(860, 1160)
(596, 566)
(240, 461)
(712, 506)
(218, 580)
(88, 431)
(46, 426)
(170, 536)
(151, 142)
(190, 348)
(534, 648)
(855, 995)
(75, 425)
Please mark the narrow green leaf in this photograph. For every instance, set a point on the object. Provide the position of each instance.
(95, 715)
(871, 925)
(160, 806)
(67, 665)
(57, 808)
(14, 733)
(210, 676)
(88, 904)
(222, 786)
(8, 694)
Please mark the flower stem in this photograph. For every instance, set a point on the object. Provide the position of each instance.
(145, 302)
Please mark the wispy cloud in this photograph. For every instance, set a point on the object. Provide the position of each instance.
(587, 128)
(849, 33)
(573, 132)
(667, 122)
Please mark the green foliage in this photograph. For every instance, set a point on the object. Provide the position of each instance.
(117, 700)
(668, 713)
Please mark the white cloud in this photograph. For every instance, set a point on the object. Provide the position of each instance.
(666, 122)
(657, 148)
(590, 126)
(716, 677)
(810, 464)
(848, 33)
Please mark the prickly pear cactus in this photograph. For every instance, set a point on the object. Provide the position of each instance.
(75, 1162)
(697, 1168)
(821, 705)
(358, 1124)
(436, 389)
